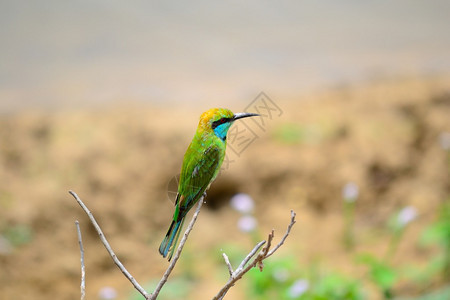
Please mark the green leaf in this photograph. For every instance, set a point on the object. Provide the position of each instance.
(380, 272)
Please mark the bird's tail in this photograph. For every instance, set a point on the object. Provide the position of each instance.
(171, 239)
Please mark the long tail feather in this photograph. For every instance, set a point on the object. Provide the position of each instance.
(171, 239)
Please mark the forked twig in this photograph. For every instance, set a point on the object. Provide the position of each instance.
(249, 256)
(227, 262)
(105, 243)
(122, 268)
(257, 261)
(293, 214)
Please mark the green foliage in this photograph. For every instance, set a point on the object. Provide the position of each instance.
(441, 294)
(348, 237)
(18, 235)
(439, 233)
(383, 275)
(282, 279)
(290, 133)
(293, 133)
(273, 281)
(234, 252)
(335, 286)
(381, 271)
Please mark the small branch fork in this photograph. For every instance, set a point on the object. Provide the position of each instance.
(257, 261)
(122, 268)
(243, 268)
(125, 272)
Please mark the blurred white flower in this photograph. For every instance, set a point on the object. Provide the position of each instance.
(247, 223)
(406, 216)
(350, 192)
(281, 275)
(298, 288)
(107, 293)
(444, 140)
(243, 203)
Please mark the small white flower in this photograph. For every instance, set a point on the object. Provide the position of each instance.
(444, 140)
(107, 293)
(247, 223)
(350, 192)
(243, 203)
(406, 216)
(281, 275)
(298, 288)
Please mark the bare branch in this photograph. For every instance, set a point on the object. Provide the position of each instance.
(133, 281)
(293, 214)
(257, 261)
(227, 262)
(266, 248)
(180, 248)
(83, 272)
(249, 256)
(136, 285)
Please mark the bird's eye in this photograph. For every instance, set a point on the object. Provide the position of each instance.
(220, 122)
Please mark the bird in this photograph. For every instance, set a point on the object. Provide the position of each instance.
(201, 164)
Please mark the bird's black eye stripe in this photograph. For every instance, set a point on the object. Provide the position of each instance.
(220, 122)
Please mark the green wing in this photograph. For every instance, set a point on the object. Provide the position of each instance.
(198, 172)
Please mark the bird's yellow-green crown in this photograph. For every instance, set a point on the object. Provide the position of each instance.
(214, 114)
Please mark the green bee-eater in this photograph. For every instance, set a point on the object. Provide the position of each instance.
(201, 165)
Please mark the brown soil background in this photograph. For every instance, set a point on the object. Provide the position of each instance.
(383, 135)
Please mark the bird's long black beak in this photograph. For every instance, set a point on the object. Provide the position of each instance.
(243, 115)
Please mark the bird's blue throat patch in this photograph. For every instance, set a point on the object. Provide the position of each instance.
(222, 130)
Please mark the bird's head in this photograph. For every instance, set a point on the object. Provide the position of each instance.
(219, 120)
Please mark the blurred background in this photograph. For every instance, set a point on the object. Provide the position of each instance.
(103, 98)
